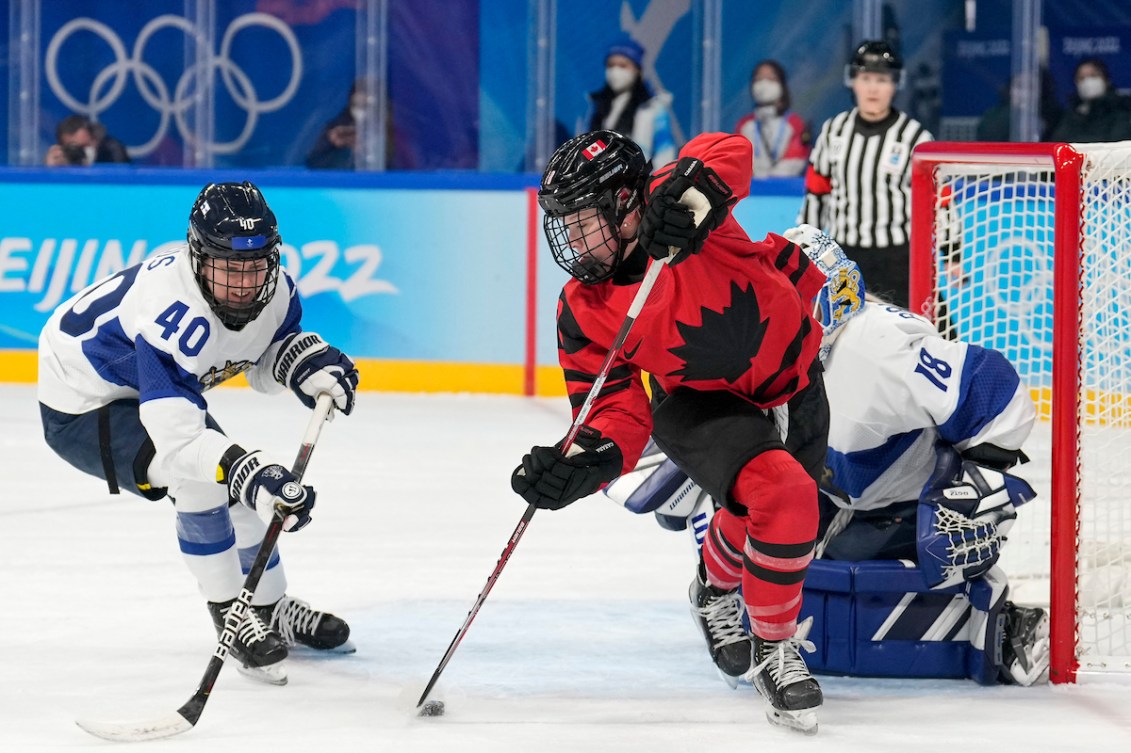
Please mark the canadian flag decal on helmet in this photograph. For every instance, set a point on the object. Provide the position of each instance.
(594, 149)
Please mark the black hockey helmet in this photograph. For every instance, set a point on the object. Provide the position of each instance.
(231, 222)
(874, 57)
(601, 171)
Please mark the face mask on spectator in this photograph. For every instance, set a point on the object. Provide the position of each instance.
(619, 78)
(357, 113)
(765, 91)
(1090, 87)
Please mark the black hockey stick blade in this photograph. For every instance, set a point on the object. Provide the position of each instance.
(186, 717)
(634, 308)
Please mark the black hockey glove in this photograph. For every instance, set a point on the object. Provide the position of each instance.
(261, 485)
(550, 480)
(671, 212)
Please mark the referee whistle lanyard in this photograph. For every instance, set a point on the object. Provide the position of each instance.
(761, 141)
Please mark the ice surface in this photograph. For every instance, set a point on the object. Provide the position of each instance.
(585, 644)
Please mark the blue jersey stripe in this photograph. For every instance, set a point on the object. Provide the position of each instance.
(159, 376)
(112, 355)
(294, 314)
(208, 532)
(853, 472)
(996, 384)
(247, 557)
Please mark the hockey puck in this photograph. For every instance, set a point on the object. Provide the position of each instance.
(431, 708)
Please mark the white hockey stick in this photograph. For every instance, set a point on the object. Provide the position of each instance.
(186, 717)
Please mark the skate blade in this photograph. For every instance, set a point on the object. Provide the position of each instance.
(272, 674)
(308, 652)
(729, 679)
(803, 721)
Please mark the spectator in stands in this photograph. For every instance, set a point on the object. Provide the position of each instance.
(995, 122)
(628, 105)
(1097, 111)
(336, 148)
(780, 137)
(80, 141)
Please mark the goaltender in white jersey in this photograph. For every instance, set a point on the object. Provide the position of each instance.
(123, 367)
(896, 389)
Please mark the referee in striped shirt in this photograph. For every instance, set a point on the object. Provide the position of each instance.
(858, 187)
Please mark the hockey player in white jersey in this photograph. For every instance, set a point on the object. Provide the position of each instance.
(123, 366)
(916, 502)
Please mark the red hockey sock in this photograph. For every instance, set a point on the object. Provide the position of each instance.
(781, 528)
(722, 550)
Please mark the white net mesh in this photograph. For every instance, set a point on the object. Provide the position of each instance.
(993, 234)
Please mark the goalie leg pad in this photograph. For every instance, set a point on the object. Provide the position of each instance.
(880, 618)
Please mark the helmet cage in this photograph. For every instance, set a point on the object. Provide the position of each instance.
(581, 183)
(572, 247)
(226, 275)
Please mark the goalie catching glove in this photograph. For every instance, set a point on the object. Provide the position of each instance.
(964, 514)
(682, 210)
(310, 366)
(550, 480)
(264, 486)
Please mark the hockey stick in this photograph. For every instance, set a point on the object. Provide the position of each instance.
(187, 716)
(630, 318)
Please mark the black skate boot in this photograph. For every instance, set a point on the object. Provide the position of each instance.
(297, 623)
(257, 648)
(1025, 645)
(783, 679)
(718, 614)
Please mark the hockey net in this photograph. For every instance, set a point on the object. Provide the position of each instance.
(1026, 248)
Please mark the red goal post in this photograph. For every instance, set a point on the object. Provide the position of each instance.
(1018, 247)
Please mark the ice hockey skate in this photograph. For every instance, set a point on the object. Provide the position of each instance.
(1025, 647)
(783, 679)
(298, 625)
(718, 614)
(259, 651)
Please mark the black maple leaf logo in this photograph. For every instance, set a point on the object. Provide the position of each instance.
(723, 346)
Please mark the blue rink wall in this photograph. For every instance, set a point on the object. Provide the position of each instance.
(423, 278)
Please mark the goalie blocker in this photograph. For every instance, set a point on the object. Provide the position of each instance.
(894, 618)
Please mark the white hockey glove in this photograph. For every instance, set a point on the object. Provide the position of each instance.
(264, 486)
(310, 366)
(820, 247)
(964, 514)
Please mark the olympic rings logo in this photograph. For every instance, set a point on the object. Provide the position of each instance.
(109, 83)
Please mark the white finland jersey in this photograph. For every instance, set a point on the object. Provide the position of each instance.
(147, 333)
(895, 387)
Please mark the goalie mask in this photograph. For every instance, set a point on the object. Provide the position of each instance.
(590, 185)
(234, 245)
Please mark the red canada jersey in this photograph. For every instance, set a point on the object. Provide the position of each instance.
(734, 317)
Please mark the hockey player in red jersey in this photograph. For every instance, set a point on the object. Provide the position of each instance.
(737, 397)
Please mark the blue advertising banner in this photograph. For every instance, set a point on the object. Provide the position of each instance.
(401, 274)
(434, 273)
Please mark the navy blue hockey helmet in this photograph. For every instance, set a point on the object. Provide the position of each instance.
(600, 173)
(234, 241)
(874, 57)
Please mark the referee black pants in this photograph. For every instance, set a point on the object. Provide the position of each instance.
(887, 271)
